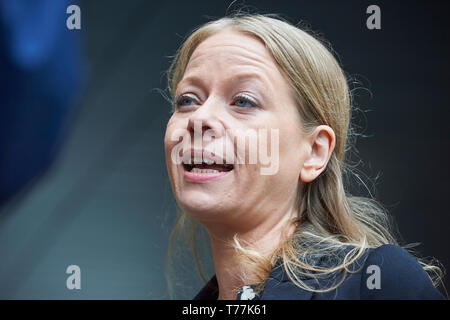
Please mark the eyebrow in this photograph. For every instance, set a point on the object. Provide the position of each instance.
(198, 81)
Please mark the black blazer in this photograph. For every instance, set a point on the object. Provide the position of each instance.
(388, 272)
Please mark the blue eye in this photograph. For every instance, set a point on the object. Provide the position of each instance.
(243, 101)
(183, 101)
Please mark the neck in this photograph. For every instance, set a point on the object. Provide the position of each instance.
(233, 274)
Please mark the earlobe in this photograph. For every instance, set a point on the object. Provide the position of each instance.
(307, 173)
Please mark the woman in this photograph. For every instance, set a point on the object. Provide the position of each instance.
(280, 223)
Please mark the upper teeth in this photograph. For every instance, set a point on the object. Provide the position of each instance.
(204, 170)
(200, 161)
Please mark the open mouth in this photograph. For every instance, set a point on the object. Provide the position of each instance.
(208, 168)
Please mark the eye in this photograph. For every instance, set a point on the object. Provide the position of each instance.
(244, 101)
(184, 101)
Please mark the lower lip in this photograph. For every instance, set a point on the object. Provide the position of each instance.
(204, 177)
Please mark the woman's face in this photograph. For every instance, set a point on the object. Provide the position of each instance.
(232, 87)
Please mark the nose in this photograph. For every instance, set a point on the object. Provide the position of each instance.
(206, 117)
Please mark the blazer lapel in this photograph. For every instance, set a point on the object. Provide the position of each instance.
(280, 287)
(286, 290)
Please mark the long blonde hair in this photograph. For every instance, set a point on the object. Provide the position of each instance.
(329, 218)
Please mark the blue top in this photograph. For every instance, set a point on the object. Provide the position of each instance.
(387, 272)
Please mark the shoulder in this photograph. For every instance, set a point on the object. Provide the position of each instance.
(391, 272)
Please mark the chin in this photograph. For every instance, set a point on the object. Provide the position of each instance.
(200, 205)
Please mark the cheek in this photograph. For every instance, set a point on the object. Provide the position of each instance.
(168, 146)
(174, 134)
(170, 142)
(291, 152)
(283, 185)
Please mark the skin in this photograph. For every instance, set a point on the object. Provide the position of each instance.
(257, 207)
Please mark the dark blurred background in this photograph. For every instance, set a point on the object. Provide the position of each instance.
(100, 198)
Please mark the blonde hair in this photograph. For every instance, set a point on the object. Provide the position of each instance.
(329, 219)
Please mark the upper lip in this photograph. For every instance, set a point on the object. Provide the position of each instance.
(191, 156)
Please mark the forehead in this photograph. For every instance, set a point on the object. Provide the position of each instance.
(234, 47)
(231, 50)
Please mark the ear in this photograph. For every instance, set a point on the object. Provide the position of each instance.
(322, 142)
